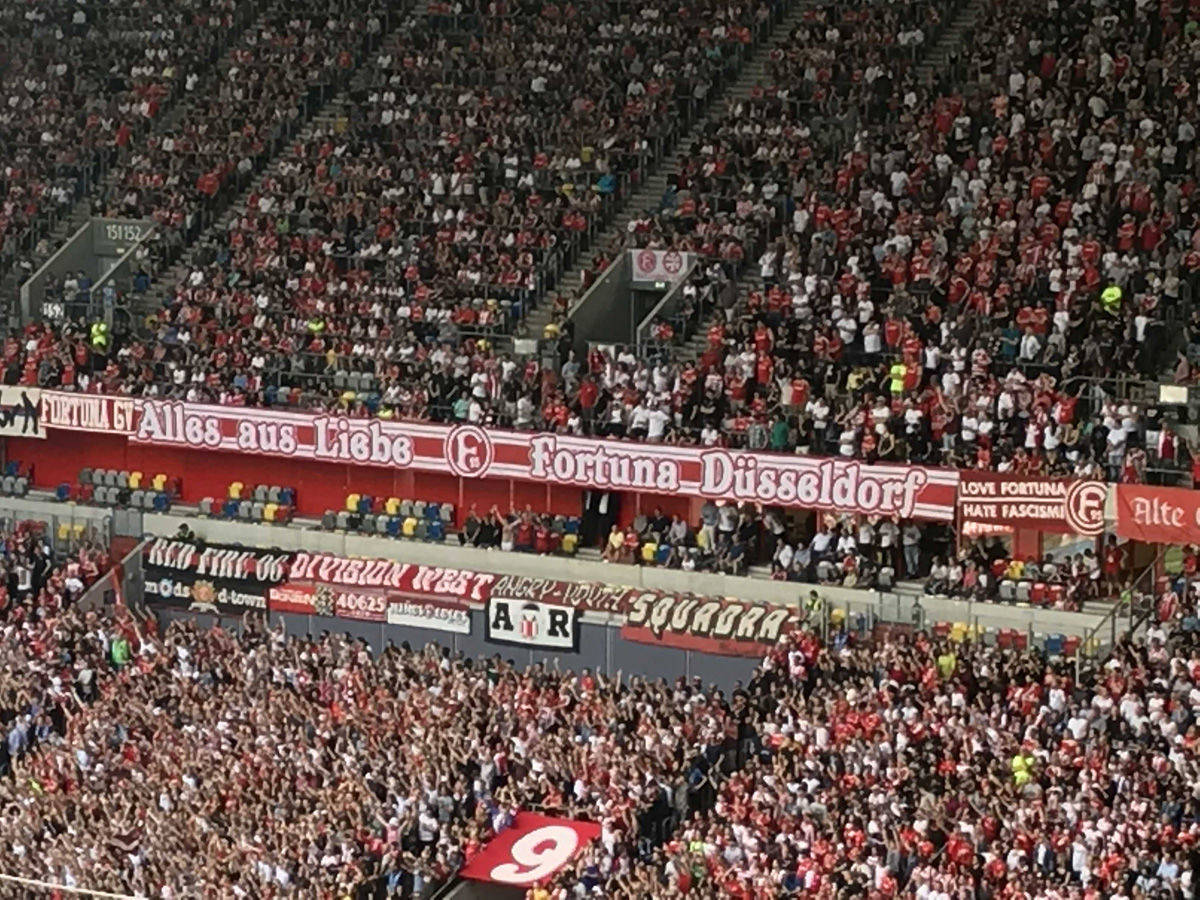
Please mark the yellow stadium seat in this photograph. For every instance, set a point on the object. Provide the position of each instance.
(269, 512)
(570, 543)
(235, 490)
(958, 632)
(649, 549)
(392, 507)
(64, 531)
(160, 482)
(352, 502)
(409, 528)
(837, 616)
(77, 530)
(135, 480)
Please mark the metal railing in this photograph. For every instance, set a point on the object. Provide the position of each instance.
(1125, 618)
(667, 309)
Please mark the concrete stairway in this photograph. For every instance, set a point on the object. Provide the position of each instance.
(937, 57)
(648, 194)
(165, 282)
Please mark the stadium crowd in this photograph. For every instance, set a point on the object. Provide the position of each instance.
(906, 766)
(850, 551)
(934, 291)
(434, 199)
(931, 285)
(919, 769)
(933, 268)
(281, 67)
(80, 87)
(52, 655)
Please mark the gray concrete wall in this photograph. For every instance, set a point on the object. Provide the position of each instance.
(888, 607)
(601, 647)
(605, 313)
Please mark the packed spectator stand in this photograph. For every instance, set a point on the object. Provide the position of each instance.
(932, 270)
(332, 250)
(928, 286)
(82, 87)
(38, 590)
(1004, 772)
(973, 236)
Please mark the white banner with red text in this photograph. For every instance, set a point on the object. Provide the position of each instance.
(381, 590)
(659, 265)
(472, 452)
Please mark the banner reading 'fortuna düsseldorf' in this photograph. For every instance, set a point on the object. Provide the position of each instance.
(469, 451)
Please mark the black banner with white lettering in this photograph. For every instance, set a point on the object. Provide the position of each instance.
(528, 623)
(211, 578)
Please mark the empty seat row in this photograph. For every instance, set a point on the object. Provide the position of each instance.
(1007, 638)
(411, 527)
(121, 478)
(262, 493)
(1038, 593)
(107, 495)
(247, 510)
(359, 382)
(364, 504)
(68, 531)
(14, 485)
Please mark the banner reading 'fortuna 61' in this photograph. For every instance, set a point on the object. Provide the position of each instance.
(471, 452)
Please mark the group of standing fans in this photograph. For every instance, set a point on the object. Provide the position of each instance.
(933, 267)
(240, 761)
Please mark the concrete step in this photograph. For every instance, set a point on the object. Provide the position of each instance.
(650, 193)
(934, 56)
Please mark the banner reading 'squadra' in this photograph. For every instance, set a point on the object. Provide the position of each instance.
(726, 627)
(471, 452)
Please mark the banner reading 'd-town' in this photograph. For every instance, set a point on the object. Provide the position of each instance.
(469, 451)
(211, 578)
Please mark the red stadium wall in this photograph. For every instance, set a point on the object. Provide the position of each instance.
(320, 486)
